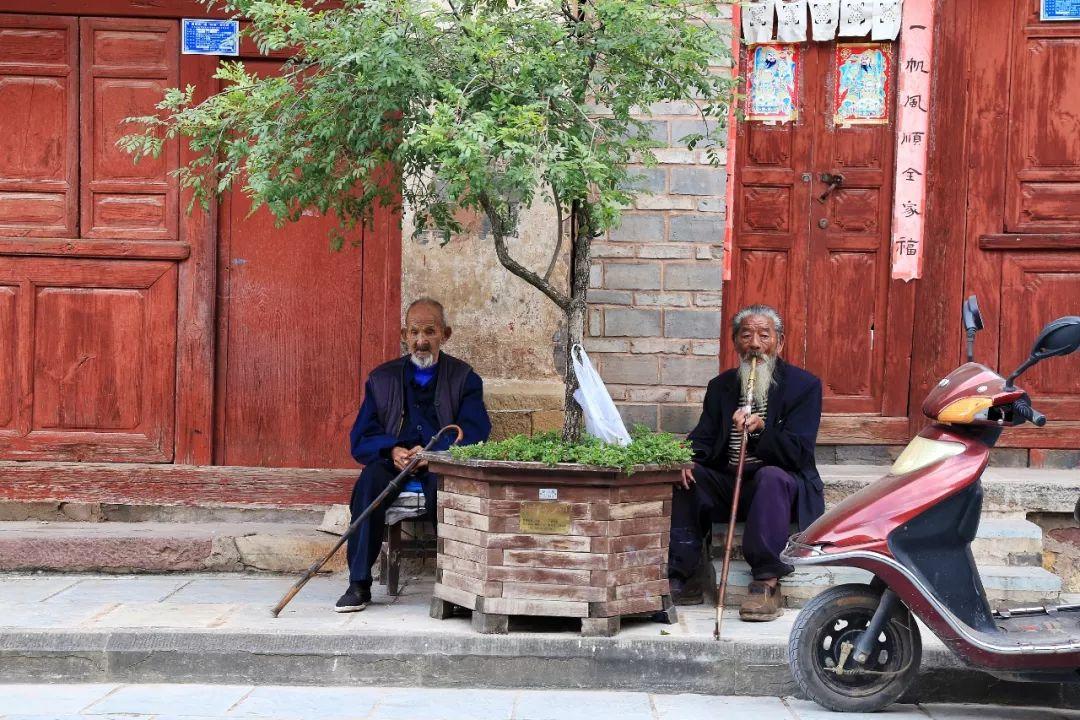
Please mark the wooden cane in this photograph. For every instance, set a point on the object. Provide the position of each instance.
(722, 590)
(393, 486)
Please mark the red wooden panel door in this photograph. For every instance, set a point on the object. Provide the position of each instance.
(127, 64)
(848, 316)
(89, 371)
(1042, 195)
(772, 201)
(1043, 188)
(825, 263)
(39, 86)
(290, 352)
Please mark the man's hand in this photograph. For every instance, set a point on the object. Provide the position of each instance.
(751, 423)
(401, 457)
(686, 479)
(422, 465)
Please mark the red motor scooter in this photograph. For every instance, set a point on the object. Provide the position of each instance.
(857, 647)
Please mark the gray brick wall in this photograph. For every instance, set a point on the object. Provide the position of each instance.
(655, 302)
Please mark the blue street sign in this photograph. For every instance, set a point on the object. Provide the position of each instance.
(1060, 10)
(211, 37)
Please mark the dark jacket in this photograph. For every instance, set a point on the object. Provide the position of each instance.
(787, 441)
(459, 399)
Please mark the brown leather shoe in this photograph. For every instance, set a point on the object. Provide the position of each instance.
(763, 603)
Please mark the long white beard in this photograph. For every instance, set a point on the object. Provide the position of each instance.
(422, 362)
(763, 378)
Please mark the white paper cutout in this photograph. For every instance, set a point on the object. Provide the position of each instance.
(824, 17)
(791, 20)
(886, 19)
(855, 17)
(757, 22)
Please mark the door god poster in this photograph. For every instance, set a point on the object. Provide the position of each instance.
(862, 84)
(773, 82)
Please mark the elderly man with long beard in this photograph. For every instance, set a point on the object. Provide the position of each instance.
(406, 402)
(780, 480)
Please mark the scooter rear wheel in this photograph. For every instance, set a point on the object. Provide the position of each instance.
(833, 620)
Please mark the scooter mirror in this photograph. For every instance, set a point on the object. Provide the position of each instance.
(1060, 337)
(972, 317)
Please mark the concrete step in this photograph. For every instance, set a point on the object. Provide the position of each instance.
(218, 629)
(61, 511)
(1006, 586)
(1001, 540)
(149, 547)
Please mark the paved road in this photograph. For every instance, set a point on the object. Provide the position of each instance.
(207, 702)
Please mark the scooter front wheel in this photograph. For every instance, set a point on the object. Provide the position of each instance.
(821, 649)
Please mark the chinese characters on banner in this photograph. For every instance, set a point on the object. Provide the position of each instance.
(912, 127)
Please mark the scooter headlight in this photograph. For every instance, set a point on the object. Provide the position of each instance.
(922, 452)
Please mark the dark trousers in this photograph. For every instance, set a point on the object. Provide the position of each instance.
(765, 504)
(363, 546)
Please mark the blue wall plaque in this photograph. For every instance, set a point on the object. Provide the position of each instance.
(211, 37)
(1060, 10)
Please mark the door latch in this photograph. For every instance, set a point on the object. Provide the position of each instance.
(833, 182)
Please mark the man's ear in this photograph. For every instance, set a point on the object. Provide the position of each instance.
(446, 333)
(404, 335)
(780, 345)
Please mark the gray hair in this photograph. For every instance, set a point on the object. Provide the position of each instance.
(767, 311)
(430, 302)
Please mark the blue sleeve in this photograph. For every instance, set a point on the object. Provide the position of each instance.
(703, 437)
(472, 416)
(791, 440)
(367, 439)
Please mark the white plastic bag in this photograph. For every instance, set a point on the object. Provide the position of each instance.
(602, 418)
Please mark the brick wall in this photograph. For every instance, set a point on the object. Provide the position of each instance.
(655, 287)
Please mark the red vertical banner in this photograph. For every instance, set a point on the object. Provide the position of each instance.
(912, 128)
(729, 188)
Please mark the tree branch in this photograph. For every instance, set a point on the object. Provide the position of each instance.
(558, 234)
(498, 231)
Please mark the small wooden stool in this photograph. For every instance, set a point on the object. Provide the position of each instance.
(397, 545)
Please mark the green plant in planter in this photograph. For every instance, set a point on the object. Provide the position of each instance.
(444, 106)
(645, 448)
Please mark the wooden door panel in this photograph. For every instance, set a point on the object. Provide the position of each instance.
(38, 125)
(100, 339)
(1037, 288)
(10, 385)
(1043, 190)
(290, 383)
(126, 67)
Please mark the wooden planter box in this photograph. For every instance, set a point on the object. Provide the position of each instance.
(523, 538)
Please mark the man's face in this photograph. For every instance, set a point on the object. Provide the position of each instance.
(757, 337)
(424, 334)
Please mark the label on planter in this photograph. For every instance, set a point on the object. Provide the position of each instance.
(549, 493)
(545, 518)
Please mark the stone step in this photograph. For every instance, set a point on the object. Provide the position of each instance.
(62, 511)
(218, 629)
(154, 547)
(1006, 586)
(1001, 540)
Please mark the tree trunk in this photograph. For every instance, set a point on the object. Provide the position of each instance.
(580, 242)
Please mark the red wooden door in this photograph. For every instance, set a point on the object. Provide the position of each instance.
(87, 371)
(39, 91)
(823, 259)
(1023, 225)
(291, 350)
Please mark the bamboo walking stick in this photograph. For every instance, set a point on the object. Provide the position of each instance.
(722, 590)
(393, 486)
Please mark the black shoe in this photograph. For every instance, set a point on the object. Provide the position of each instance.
(686, 592)
(355, 599)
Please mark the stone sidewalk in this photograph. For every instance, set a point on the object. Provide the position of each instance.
(139, 702)
(217, 628)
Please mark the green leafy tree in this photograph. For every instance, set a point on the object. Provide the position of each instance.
(450, 106)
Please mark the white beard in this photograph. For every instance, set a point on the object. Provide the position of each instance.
(763, 378)
(422, 362)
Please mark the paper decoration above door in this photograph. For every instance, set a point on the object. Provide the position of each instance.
(828, 19)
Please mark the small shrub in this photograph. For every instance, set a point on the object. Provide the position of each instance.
(645, 448)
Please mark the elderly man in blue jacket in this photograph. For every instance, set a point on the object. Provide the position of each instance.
(406, 402)
(780, 480)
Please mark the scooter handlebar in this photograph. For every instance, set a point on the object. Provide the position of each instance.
(1023, 409)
